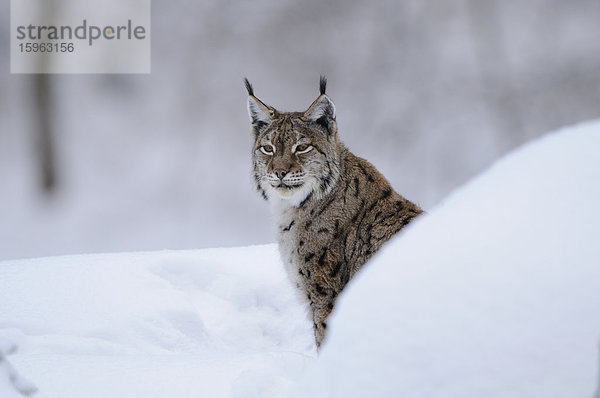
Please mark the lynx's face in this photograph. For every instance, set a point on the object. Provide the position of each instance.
(295, 155)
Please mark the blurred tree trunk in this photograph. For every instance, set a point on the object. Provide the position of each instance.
(44, 140)
(44, 134)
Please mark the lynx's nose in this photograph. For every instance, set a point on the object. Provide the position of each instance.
(280, 173)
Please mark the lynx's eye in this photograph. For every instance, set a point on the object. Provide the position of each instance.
(267, 150)
(303, 148)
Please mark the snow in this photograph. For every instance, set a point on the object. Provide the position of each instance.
(198, 323)
(494, 293)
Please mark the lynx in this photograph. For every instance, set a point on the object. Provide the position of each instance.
(334, 210)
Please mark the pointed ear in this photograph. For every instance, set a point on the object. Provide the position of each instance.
(322, 112)
(261, 115)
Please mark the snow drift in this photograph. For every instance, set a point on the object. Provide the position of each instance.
(495, 293)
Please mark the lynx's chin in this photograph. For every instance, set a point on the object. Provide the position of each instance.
(284, 193)
(287, 191)
(291, 196)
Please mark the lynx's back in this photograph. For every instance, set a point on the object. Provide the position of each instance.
(334, 210)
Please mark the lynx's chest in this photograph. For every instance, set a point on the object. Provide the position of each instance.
(307, 244)
(288, 240)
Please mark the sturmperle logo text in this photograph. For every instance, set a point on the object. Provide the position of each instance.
(74, 36)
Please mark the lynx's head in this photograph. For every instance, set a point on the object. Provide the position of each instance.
(296, 154)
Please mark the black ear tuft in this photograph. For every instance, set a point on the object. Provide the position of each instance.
(322, 84)
(248, 86)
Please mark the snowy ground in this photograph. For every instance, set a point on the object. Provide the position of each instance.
(495, 293)
(215, 322)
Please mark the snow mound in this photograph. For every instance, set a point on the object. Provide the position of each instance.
(495, 293)
(212, 323)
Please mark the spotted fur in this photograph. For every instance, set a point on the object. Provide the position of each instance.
(334, 209)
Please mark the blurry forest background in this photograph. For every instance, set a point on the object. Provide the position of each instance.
(431, 92)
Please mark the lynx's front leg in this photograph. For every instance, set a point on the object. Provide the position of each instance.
(320, 311)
